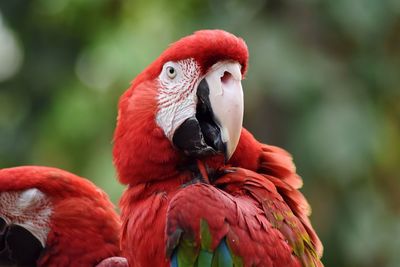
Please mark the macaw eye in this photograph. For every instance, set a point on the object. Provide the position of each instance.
(171, 72)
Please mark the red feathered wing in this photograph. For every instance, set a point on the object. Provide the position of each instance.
(247, 212)
(276, 165)
(258, 212)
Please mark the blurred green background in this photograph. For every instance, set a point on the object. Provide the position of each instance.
(323, 82)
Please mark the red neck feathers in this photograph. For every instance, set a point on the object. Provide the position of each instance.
(141, 151)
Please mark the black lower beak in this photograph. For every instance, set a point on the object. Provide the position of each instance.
(189, 139)
(18, 246)
(200, 136)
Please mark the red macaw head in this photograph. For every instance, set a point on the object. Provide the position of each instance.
(50, 217)
(187, 104)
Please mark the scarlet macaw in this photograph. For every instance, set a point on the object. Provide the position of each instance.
(50, 217)
(201, 190)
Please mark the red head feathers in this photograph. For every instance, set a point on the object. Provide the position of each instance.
(206, 47)
(54, 218)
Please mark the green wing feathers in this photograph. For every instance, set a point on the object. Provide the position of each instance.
(187, 255)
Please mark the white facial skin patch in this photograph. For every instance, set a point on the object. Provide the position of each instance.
(177, 98)
(30, 209)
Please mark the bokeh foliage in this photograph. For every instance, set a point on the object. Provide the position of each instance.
(323, 82)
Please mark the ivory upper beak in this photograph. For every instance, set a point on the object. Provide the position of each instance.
(226, 99)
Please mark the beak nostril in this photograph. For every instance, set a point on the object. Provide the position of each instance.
(226, 77)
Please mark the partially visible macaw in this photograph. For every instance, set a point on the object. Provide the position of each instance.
(201, 190)
(50, 217)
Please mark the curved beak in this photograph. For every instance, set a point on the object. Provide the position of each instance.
(218, 122)
(226, 102)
